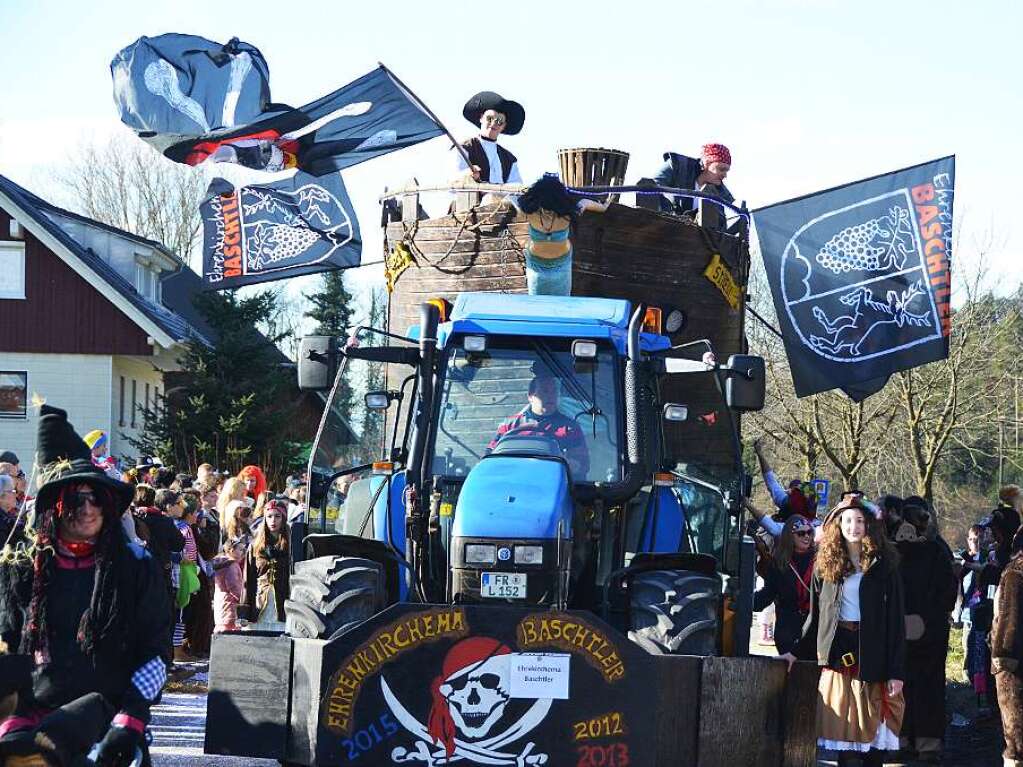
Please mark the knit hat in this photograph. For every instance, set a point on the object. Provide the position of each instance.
(95, 438)
(716, 153)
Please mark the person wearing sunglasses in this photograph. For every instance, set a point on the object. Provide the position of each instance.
(856, 632)
(87, 606)
(787, 580)
(490, 163)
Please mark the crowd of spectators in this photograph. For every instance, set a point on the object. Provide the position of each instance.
(809, 563)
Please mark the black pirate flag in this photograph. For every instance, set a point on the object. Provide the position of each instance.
(195, 100)
(861, 277)
(263, 232)
(172, 88)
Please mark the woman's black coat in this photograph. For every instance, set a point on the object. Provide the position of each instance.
(882, 653)
(782, 588)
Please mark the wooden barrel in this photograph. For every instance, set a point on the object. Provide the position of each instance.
(630, 253)
(593, 167)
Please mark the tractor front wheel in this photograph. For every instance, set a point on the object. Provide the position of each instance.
(675, 612)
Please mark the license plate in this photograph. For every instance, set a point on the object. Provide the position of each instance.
(503, 585)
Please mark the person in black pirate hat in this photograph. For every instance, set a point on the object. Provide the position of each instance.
(88, 606)
(490, 162)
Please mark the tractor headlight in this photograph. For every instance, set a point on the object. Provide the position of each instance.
(529, 555)
(480, 553)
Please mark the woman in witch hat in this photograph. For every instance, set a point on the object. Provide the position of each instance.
(89, 607)
(491, 163)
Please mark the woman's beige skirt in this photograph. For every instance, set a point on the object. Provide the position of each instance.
(857, 716)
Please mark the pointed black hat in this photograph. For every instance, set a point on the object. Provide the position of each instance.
(484, 100)
(63, 457)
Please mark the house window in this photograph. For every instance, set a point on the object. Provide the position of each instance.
(12, 270)
(134, 400)
(146, 282)
(13, 395)
(148, 407)
(156, 400)
(120, 410)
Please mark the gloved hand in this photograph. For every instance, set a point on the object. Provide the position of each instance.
(117, 749)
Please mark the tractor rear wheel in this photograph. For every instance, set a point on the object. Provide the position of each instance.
(331, 594)
(675, 612)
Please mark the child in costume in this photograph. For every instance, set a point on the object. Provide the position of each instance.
(229, 585)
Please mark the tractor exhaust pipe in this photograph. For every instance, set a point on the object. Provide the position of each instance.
(429, 318)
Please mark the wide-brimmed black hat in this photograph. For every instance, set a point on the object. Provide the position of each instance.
(484, 100)
(63, 457)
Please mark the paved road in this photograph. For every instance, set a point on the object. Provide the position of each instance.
(178, 726)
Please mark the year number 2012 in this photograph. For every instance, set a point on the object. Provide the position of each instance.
(598, 727)
(370, 737)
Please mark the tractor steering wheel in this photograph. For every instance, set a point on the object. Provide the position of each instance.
(529, 431)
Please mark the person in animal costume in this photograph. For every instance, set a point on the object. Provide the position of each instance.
(89, 607)
(1007, 652)
(929, 589)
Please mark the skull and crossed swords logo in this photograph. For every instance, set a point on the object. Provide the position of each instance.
(470, 697)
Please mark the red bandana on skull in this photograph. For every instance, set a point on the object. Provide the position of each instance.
(462, 659)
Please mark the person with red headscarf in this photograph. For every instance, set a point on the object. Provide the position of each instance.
(706, 173)
(254, 479)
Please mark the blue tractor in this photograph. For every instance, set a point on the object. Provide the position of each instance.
(494, 544)
(518, 462)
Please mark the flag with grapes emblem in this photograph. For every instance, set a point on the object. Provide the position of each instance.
(861, 277)
(261, 232)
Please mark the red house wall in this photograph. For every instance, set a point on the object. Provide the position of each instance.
(62, 312)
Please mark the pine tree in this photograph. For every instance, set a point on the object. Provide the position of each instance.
(331, 306)
(232, 403)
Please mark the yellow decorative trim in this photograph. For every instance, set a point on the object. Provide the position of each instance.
(396, 262)
(718, 273)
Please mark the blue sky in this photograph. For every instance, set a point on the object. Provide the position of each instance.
(806, 94)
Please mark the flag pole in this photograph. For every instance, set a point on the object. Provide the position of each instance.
(429, 112)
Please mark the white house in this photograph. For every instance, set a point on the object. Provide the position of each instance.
(91, 317)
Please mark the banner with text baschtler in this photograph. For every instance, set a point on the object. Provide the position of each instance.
(272, 231)
(861, 277)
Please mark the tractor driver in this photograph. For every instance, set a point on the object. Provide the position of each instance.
(541, 417)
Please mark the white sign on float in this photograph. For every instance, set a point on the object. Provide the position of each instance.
(540, 675)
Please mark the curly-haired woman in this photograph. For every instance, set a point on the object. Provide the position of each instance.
(856, 631)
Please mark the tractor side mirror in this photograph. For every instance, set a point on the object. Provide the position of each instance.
(380, 400)
(747, 383)
(317, 363)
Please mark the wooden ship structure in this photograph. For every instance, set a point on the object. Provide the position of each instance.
(635, 252)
